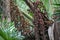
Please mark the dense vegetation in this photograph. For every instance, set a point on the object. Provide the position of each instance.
(27, 19)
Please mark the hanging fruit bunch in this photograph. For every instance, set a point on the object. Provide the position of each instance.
(41, 22)
(21, 23)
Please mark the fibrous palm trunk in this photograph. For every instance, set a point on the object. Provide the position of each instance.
(56, 17)
(5, 5)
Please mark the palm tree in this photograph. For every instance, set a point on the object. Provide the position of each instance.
(24, 15)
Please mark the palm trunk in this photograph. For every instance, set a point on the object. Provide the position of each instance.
(7, 10)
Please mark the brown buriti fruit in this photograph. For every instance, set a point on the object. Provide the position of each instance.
(40, 21)
(16, 16)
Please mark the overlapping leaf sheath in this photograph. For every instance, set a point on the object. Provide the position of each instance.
(41, 22)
